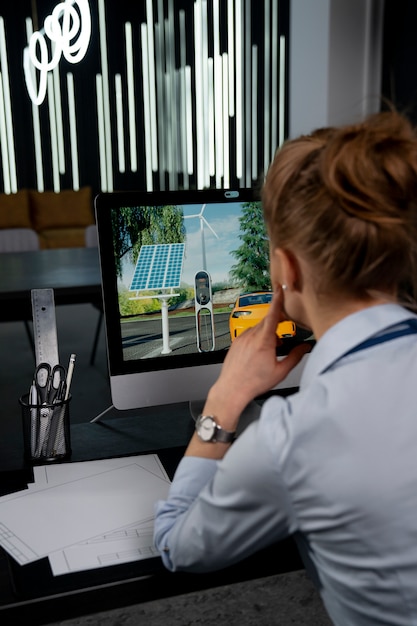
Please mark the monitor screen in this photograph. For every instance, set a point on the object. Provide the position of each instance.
(183, 274)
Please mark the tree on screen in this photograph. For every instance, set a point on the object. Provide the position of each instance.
(251, 271)
(143, 225)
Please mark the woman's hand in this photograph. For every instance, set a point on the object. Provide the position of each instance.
(251, 367)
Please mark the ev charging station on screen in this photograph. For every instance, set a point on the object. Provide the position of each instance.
(179, 279)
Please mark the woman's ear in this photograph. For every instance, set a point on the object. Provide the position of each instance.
(289, 268)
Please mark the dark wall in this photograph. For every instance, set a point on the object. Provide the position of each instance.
(118, 12)
(400, 55)
(399, 84)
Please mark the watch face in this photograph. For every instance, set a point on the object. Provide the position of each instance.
(206, 428)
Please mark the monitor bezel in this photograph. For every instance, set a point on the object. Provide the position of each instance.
(172, 379)
(104, 203)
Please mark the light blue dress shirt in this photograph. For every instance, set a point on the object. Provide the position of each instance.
(335, 464)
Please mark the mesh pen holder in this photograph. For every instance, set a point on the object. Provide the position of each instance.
(46, 430)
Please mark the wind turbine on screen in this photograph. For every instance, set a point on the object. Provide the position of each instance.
(203, 222)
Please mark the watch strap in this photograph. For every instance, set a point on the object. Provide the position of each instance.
(224, 436)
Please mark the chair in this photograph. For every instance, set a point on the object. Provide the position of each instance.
(20, 240)
(91, 241)
(91, 236)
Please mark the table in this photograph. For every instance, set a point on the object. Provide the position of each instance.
(73, 274)
(41, 598)
(30, 593)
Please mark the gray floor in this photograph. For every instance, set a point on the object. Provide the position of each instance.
(289, 599)
(279, 600)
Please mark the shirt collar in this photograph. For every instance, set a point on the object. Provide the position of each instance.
(348, 333)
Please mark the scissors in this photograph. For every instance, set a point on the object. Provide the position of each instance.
(49, 383)
(50, 388)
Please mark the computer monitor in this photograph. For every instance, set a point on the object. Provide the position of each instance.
(173, 264)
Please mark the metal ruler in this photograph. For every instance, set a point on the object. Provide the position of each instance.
(44, 327)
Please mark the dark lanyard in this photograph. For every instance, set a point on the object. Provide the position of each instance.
(409, 327)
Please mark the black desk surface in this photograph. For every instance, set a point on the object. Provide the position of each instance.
(73, 273)
(32, 591)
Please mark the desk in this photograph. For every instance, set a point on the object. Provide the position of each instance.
(40, 599)
(46, 599)
(73, 274)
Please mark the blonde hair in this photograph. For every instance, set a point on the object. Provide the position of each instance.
(346, 200)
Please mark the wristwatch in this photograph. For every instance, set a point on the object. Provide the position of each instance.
(209, 431)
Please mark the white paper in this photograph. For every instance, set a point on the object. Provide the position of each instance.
(51, 475)
(132, 543)
(97, 498)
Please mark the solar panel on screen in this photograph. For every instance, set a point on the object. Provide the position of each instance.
(158, 267)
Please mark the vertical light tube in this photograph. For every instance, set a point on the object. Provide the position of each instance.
(189, 107)
(218, 95)
(58, 114)
(231, 54)
(106, 93)
(248, 96)
(131, 97)
(152, 85)
(73, 132)
(119, 123)
(159, 55)
(183, 100)
(199, 115)
(218, 116)
(7, 108)
(226, 174)
(160, 86)
(210, 114)
(183, 113)
(38, 148)
(3, 141)
(36, 123)
(205, 90)
(168, 110)
(239, 90)
(101, 132)
(282, 62)
(275, 57)
(177, 125)
(267, 77)
(254, 113)
(171, 80)
(146, 112)
(53, 133)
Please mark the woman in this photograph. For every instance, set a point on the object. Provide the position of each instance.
(335, 464)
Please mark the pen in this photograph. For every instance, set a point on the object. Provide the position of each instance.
(33, 399)
(69, 375)
(59, 445)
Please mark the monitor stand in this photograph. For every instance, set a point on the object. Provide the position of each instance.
(100, 415)
(250, 413)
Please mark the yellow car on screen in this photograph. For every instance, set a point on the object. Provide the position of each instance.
(249, 309)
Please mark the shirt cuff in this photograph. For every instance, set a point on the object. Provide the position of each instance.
(192, 474)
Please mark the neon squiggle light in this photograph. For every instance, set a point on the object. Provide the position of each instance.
(69, 32)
